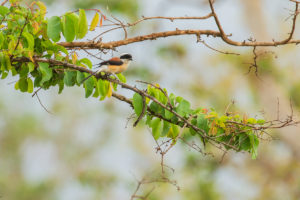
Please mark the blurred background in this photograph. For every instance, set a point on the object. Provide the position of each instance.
(87, 149)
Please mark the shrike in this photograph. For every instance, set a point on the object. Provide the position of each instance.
(114, 65)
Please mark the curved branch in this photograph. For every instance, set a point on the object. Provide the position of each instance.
(221, 33)
(169, 18)
(153, 36)
(254, 43)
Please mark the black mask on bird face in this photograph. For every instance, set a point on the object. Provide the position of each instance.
(126, 56)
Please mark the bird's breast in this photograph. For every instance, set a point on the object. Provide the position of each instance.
(117, 68)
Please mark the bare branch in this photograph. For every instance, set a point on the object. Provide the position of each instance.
(153, 36)
(169, 18)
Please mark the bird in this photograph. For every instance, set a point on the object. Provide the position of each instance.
(114, 65)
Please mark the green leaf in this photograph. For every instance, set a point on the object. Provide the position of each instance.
(30, 85)
(75, 19)
(2, 61)
(156, 128)
(179, 99)
(23, 85)
(251, 121)
(96, 94)
(194, 122)
(46, 72)
(37, 81)
(17, 85)
(89, 87)
(62, 49)
(103, 87)
(82, 25)
(69, 27)
(148, 120)
(244, 142)
(166, 129)
(122, 78)
(30, 67)
(2, 39)
(61, 86)
(161, 96)
(3, 10)
(261, 121)
(30, 40)
(24, 70)
(115, 85)
(156, 108)
(4, 75)
(86, 62)
(172, 98)
(254, 144)
(70, 78)
(183, 107)
(168, 114)
(7, 62)
(13, 71)
(138, 103)
(175, 130)
(202, 122)
(11, 44)
(54, 28)
(80, 77)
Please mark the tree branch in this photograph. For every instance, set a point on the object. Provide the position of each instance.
(153, 36)
(183, 122)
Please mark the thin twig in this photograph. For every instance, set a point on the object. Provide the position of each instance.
(36, 91)
(214, 49)
(42, 104)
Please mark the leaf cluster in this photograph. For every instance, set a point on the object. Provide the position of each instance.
(165, 120)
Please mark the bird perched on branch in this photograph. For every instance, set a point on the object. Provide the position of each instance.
(114, 65)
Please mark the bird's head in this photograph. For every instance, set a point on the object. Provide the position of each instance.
(126, 57)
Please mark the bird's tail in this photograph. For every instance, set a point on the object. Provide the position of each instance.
(88, 77)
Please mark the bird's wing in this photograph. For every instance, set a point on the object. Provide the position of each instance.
(112, 61)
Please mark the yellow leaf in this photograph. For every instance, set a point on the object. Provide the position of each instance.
(245, 118)
(95, 21)
(20, 46)
(30, 55)
(209, 116)
(74, 58)
(17, 85)
(147, 100)
(227, 131)
(36, 27)
(222, 125)
(109, 93)
(82, 65)
(42, 7)
(213, 129)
